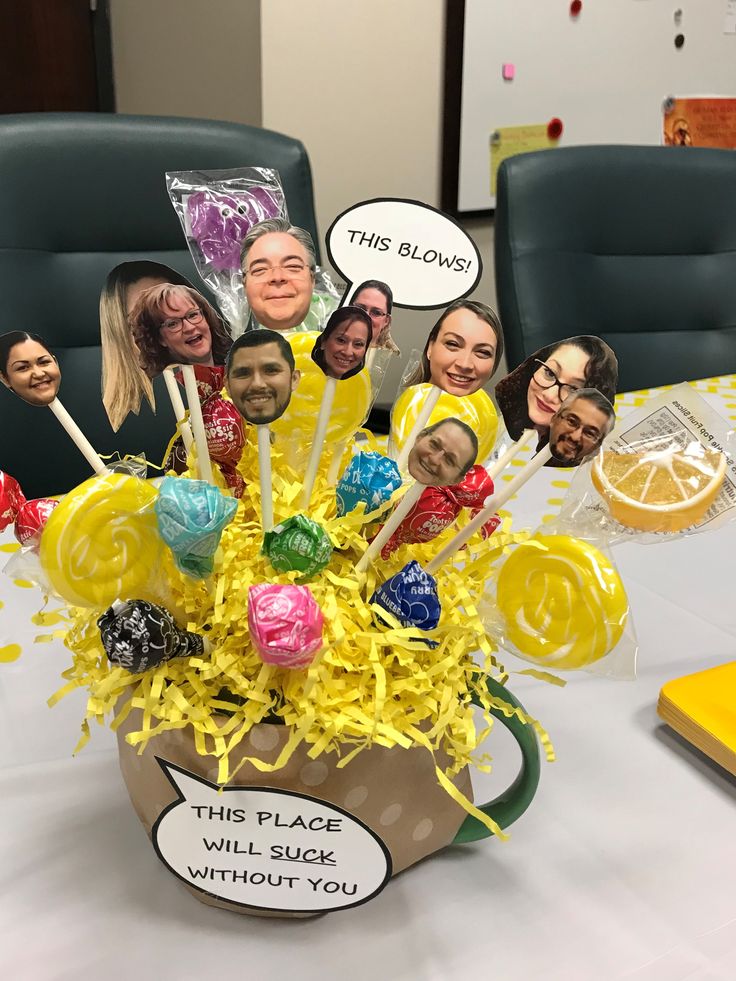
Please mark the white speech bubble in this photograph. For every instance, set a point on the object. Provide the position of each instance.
(426, 258)
(268, 849)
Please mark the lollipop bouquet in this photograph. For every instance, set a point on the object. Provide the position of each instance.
(293, 632)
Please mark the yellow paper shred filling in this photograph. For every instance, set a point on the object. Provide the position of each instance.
(372, 683)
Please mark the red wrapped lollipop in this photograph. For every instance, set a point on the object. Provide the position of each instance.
(11, 499)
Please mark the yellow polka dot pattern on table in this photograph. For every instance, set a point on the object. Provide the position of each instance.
(11, 652)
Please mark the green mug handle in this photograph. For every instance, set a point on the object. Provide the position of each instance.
(512, 803)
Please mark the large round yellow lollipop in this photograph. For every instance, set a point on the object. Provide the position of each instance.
(476, 410)
(103, 543)
(562, 601)
(349, 408)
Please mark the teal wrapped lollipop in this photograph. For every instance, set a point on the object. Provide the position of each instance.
(370, 477)
(191, 515)
(298, 545)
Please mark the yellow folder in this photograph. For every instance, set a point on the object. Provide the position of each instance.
(702, 708)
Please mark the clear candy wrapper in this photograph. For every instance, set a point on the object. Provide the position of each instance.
(559, 603)
(668, 469)
(217, 208)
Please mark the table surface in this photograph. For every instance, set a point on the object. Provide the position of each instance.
(623, 867)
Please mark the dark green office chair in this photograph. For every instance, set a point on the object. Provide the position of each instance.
(634, 244)
(80, 193)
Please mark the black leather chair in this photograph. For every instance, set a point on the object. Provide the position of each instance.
(634, 244)
(80, 193)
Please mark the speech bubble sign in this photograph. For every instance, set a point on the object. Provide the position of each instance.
(268, 849)
(425, 256)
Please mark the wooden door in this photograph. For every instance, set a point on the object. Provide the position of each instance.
(55, 56)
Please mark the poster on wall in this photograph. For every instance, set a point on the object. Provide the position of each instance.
(700, 121)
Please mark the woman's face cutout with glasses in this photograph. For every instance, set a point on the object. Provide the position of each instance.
(554, 380)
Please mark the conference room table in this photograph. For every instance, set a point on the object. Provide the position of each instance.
(624, 865)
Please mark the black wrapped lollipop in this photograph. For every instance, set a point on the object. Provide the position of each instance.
(138, 635)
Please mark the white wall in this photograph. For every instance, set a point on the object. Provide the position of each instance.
(360, 83)
(199, 58)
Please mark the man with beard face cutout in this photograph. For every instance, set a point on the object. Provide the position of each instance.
(579, 426)
(260, 375)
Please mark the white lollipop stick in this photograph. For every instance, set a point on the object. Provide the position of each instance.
(334, 472)
(490, 506)
(77, 436)
(264, 472)
(503, 461)
(325, 408)
(204, 467)
(424, 413)
(177, 404)
(401, 510)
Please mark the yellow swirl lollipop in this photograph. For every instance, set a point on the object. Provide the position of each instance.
(349, 408)
(103, 543)
(562, 601)
(477, 410)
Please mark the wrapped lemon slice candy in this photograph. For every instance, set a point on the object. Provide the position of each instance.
(562, 602)
(661, 490)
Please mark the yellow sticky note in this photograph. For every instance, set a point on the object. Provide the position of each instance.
(507, 141)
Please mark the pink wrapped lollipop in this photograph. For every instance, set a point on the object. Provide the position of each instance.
(285, 624)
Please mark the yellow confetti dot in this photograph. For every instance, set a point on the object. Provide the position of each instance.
(564, 484)
(10, 547)
(518, 463)
(23, 583)
(48, 619)
(506, 476)
(547, 518)
(11, 652)
(554, 502)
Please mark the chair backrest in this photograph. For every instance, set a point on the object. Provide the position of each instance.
(80, 193)
(634, 244)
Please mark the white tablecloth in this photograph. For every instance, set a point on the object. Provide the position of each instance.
(623, 867)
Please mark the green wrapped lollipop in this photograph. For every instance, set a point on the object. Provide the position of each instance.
(298, 545)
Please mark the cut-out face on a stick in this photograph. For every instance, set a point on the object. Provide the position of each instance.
(579, 426)
(376, 299)
(261, 375)
(124, 383)
(443, 453)
(28, 368)
(341, 348)
(462, 350)
(278, 263)
(530, 395)
(177, 325)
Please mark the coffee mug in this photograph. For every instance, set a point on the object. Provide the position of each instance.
(308, 836)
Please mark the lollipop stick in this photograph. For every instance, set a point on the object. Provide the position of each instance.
(177, 404)
(401, 510)
(334, 472)
(264, 472)
(77, 436)
(503, 461)
(424, 413)
(204, 467)
(491, 505)
(325, 408)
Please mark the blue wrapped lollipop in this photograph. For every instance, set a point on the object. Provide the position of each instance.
(191, 515)
(369, 477)
(411, 597)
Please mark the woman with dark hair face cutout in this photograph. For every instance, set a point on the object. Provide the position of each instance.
(377, 299)
(28, 367)
(177, 325)
(530, 395)
(124, 383)
(462, 350)
(341, 348)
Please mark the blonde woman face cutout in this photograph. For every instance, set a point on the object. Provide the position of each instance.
(462, 358)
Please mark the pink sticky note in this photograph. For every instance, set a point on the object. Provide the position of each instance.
(508, 71)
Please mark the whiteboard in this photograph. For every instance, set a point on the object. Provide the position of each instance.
(605, 74)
